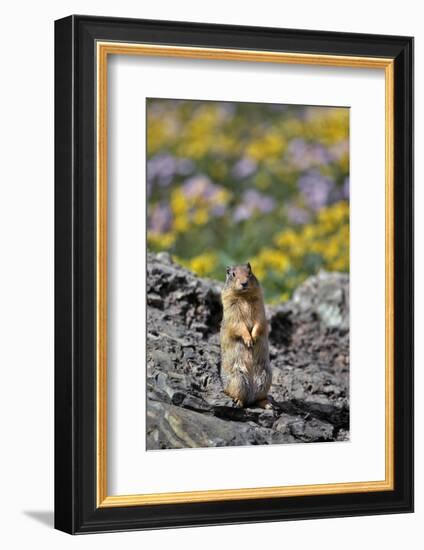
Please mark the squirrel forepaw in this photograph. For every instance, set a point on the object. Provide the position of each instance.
(248, 341)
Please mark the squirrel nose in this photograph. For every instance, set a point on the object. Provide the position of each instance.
(244, 285)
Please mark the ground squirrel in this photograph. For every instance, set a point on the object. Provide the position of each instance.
(245, 369)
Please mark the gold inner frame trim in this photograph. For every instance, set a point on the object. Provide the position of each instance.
(103, 50)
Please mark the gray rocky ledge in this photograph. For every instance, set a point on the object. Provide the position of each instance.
(309, 348)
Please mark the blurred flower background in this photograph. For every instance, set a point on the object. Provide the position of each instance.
(235, 182)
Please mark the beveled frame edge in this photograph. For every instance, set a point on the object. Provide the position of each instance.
(105, 48)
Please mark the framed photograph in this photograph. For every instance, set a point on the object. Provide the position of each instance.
(234, 274)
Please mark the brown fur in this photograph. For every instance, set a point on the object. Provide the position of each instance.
(245, 368)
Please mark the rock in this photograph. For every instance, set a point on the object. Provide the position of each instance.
(173, 427)
(327, 296)
(309, 350)
(182, 296)
(312, 431)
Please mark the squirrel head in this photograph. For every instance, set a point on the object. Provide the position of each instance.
(241, 279)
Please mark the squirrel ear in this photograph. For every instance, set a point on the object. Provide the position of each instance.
(248, 266)
(228, 269)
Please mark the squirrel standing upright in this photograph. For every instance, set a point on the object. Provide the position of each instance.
(245, 367)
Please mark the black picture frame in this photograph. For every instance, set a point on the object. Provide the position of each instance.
(76, 510)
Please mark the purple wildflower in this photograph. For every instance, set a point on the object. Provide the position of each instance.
(261, 202)
(339, 149)
(297, 215)
(226, 110)
(185, 167)
(241, 213)
(346, 189)
(163, 168)
(199, 186)
(218, 210)
(160, 218)
(305, 155)
(252, 202)
(244, 168)
(318, 190)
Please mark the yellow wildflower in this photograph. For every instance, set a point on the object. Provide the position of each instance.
(286, 239)
(200, 216)
(181, 224)
(161, 241)
(272, 144)
(203, 264)
(270, 259)
(178, 202)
